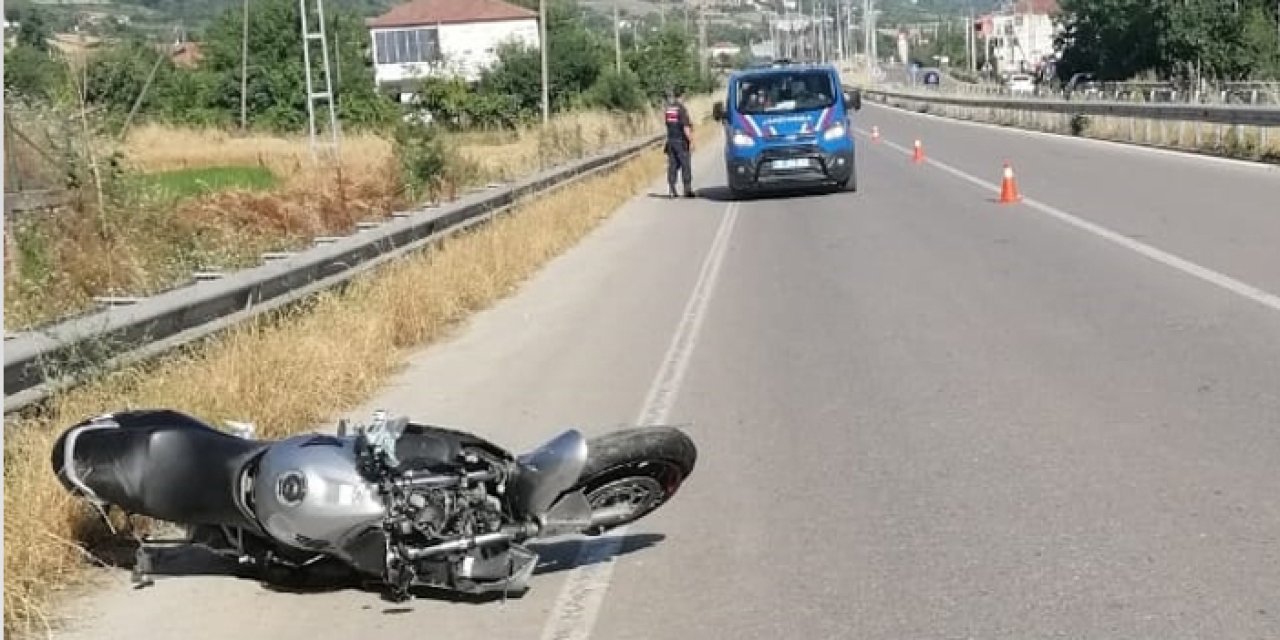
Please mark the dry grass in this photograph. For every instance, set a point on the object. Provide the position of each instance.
(1251, 143)
(1247, 142)
(504, 155)
(148, 244)
(155, 147)
(288, 374)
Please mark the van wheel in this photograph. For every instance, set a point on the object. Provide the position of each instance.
(849, 184)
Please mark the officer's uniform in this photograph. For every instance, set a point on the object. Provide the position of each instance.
(677, 147)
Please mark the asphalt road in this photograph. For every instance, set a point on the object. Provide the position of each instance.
(920, 414)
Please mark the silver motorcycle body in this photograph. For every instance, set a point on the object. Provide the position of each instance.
(405, 504)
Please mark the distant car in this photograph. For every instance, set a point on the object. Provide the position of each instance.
(1082, 86)
(930, 77)
(1021, 83)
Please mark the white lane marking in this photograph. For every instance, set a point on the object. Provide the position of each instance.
(1237, 287)
(1110, 145)
(578, 605)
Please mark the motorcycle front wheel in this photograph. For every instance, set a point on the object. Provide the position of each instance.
(632, 472)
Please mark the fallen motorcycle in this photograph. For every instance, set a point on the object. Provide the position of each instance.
(395, 502)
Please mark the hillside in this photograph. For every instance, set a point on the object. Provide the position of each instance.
(196, 11)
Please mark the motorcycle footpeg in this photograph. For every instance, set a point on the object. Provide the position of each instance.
(141, 574)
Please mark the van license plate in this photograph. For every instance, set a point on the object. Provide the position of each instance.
(795, 163)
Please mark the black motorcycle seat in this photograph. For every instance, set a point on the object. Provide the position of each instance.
(161, 463)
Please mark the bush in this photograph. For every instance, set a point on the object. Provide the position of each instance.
(30, 72)
(423, 157)
(1079, 124)
(452, 103)
(617, 91)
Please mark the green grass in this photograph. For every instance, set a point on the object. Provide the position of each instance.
(187, 183)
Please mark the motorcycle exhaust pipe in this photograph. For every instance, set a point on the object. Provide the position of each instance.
(508, 534)
(610, 516)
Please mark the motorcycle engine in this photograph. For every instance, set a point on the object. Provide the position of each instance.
(442, 514)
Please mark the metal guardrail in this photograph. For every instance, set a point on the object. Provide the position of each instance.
(1226, 94)
(23, 201)
(1215, 114)
(40, 362)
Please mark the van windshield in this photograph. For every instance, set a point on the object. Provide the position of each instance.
(785, 91)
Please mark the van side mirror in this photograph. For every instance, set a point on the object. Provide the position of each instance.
(717, 111)
(853, 98)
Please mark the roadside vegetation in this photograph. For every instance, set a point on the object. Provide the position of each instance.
(162, 181)
(1180, 40)
(288, 372)
(165, 182)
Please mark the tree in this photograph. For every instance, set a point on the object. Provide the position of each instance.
(277, 84)
(667, 61)
(617, 91)
(33, 26)
(116, 75)
(1262, 41)
(517, 76)
(575, 61)
(1114, 39)
(31, 72)
(1179, 39)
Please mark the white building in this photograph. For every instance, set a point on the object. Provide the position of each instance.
(1021, 36)
(445, 38)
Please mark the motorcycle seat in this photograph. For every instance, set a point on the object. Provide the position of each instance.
(161, 463)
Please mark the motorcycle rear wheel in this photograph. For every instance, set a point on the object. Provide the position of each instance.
(632, 472)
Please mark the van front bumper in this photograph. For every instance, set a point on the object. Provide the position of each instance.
(784, 166)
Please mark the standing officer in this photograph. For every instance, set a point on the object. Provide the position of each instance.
(679, 142)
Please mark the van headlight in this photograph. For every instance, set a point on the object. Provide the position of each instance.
(741, 139)
(837, 131)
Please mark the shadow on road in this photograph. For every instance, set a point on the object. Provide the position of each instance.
(329, 576)
(562, 555)
(723, 194)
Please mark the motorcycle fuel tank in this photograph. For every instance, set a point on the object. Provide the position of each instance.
(309, 494)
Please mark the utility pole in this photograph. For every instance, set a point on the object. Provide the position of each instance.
(542, 46)
(244, 67)
(820, 13)
(617, 39)
(866, 31)
(972, 39)
(875, 45)
(702, 36)
(308, 36)
(848, 31)
(840, 40)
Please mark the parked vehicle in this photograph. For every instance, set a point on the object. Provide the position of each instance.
(1082, 86)
(1022, 84)
(788, 125)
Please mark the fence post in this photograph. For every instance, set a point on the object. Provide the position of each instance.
(9, 161)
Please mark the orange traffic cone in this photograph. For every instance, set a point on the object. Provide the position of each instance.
(1008, 187)
(918, 157)
(875, 134)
